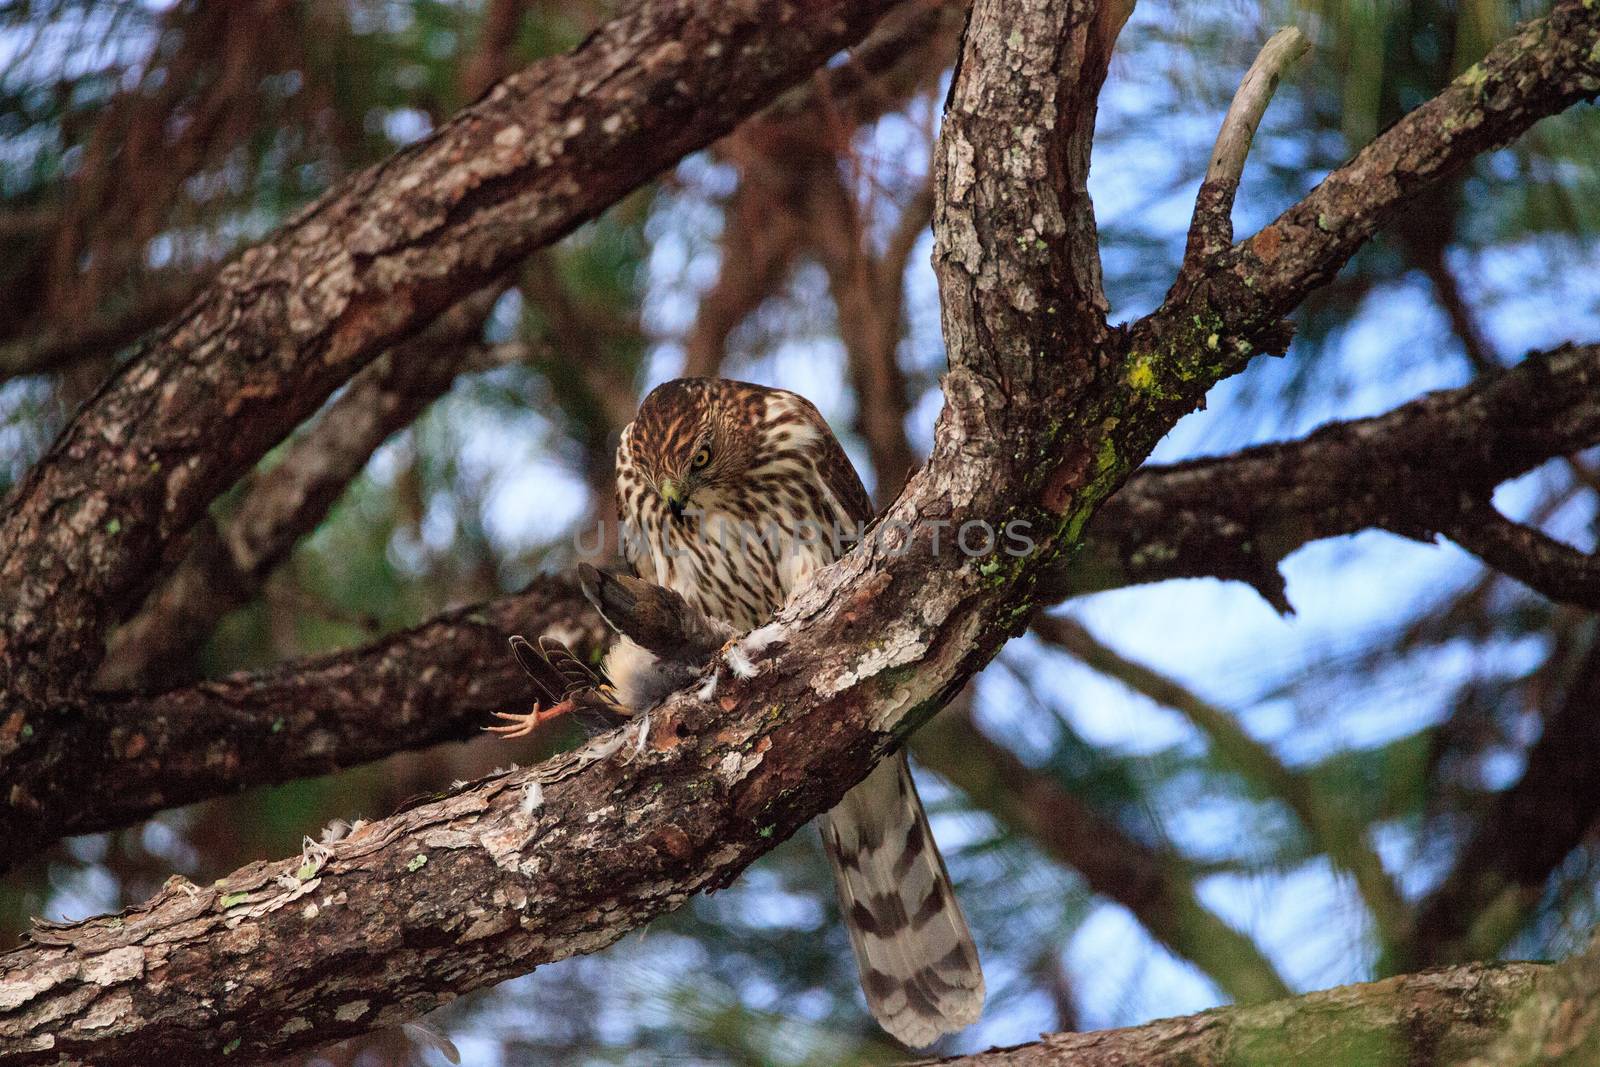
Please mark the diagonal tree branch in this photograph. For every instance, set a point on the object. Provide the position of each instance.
(538, 865)
(1229, 517)
(1211, 321)
(361, 269)
(227, 565)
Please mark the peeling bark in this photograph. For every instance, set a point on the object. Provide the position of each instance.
(372, 261)
(125, 757)
(1047, 411)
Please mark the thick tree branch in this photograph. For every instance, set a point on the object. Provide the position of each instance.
(440, 681)
(367, 265)
(1230, 517)
(227, 565)
(472, 888)
(1479, 1015)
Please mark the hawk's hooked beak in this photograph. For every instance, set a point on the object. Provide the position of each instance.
(676, 498)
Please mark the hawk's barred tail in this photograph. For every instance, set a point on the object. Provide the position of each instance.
(919, 966)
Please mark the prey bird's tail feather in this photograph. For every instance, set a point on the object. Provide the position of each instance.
(560, 674)
(537, 667)
(919, 966)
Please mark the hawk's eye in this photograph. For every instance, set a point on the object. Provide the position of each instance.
(701, 458)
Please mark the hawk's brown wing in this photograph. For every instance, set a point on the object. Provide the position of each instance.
(838, 473)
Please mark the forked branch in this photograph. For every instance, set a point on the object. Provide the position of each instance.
(1528, 554)
(1211, 229)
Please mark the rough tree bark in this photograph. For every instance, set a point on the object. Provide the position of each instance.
(372, 261)
(226, 566)
(1048, 409)
(1235, 517)
(1476, 1015)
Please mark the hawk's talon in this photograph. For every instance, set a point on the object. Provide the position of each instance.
(524, 723)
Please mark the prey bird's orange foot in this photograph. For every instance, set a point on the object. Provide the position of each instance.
(524, 724)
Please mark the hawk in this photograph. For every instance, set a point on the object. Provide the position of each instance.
(731, 495)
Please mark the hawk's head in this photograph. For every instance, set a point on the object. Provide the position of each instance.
(695, 438)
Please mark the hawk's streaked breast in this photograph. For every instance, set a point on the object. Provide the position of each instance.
(761, 495)
(765, 517)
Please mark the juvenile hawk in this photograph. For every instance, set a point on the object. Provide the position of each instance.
(735, 493)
